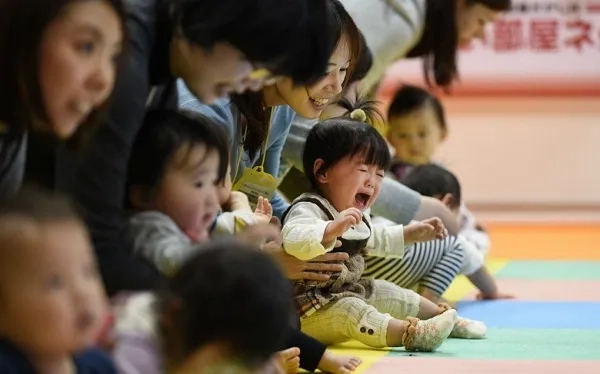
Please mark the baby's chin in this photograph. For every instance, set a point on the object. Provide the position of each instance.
(198, 236)
(361, 207)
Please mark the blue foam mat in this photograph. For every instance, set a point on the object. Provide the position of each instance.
(533, 315)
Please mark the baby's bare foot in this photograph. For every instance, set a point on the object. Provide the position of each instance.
(331, 363)
(290, 360)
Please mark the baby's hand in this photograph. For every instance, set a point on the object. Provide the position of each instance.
(424, 231)
(264, 211)
(438, 225)
(341, 224)
(496, 296)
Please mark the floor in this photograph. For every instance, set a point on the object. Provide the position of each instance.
(552, 326)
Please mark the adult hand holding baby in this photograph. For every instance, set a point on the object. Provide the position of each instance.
(267, 236)
(317, 269)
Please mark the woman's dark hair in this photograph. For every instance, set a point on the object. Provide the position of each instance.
(251, 104)
(434, 181)
(369, 107)
(410, 98)
(163, 133)
(336, 138)
(289, 37)
(228, 293)
(22, 27)
(364, 63)
(439, 44)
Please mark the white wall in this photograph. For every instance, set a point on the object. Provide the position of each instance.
(526, 158)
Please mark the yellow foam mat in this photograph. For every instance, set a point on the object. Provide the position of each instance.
(368, 355)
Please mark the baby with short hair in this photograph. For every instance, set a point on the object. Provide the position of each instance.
(52, 301)
(345, 161)
(435, 181)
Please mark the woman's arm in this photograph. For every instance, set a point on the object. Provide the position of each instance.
(279, 130)
(391, 28)
(294, 143)
(396, 202)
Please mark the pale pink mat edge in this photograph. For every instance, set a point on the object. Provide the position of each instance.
(394, 365)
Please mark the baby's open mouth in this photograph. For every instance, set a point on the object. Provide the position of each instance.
(362, 199)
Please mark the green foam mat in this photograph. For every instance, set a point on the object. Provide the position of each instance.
(561, 270)
(521, 344)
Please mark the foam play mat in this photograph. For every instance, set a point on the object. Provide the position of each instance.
(553, 325)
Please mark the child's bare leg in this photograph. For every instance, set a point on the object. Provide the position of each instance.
(334, 364)
(421, 335)
(429, 309)
(434, 297)
(429, 295)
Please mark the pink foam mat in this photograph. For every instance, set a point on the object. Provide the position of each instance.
(421, 365)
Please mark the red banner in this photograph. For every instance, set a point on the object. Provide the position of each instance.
(540, 47)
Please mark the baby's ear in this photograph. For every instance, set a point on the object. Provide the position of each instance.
(448, 200)
(318, 172)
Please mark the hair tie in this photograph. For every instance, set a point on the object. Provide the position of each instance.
(359, 115)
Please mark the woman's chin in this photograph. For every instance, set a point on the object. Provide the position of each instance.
(310, 113)
(64, 130)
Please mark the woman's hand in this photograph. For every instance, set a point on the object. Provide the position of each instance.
(268, 237)
(317, 269)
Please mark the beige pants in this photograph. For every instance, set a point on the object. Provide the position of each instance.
(364, 320)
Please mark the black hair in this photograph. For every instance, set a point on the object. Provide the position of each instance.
(251, 104)
(410, 98)
(289, 37)
(333, 139)
(369, 107)
(229, 293)
(163, 133)
(439, 44)
(434, 181)
(363, 64)
(23, 25)
(39, 205)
